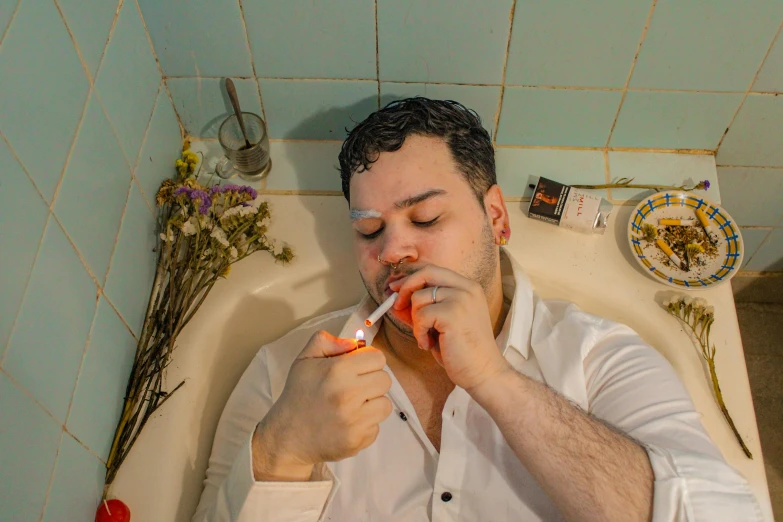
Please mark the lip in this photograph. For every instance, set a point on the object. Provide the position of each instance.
(390, 280)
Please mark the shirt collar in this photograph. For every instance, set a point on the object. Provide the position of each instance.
(516, 329)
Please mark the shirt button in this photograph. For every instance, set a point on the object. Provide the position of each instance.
(445, 497)
(403, 416)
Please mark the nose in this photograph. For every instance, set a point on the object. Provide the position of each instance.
(396, 247)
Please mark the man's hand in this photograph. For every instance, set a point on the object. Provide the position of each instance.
(457, 329)
(330, 409)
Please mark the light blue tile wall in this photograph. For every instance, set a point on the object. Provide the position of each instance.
(82, 95)
(610, 75)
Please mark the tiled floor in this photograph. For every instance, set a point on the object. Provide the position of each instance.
(760, 313)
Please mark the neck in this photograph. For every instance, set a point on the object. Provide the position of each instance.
(405, 349)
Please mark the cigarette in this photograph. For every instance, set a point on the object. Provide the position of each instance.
(708, 228)
(669, 252)
(677, 222)
(378, 313)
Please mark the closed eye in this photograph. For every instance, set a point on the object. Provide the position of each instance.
(422, 224)
(373, 235)
(425, 223)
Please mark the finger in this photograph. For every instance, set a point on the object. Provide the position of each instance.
(430, 275)
(323, 344)
(437, 356)
(376, 410)
(364, 360)
(425, 319)
(371, 436)
(374, 385)
(423, 297)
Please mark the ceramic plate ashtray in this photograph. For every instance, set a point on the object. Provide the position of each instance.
(669, 239)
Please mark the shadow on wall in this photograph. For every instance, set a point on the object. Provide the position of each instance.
(332, 236)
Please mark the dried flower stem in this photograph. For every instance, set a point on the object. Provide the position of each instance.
(626, 183)
(699, 318)
(204, 230)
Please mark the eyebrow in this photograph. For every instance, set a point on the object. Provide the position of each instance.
(357, 214)
(418, 198)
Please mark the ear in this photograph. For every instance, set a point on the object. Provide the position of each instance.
(495, 208)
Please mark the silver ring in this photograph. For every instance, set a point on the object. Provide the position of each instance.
(434, 292)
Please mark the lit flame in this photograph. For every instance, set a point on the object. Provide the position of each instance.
(360, 334)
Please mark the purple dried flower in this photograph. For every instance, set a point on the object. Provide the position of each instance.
(706, 184)
(250, 191)
(204, 200)
(182, 190)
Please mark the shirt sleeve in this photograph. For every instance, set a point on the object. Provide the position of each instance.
(231, 493)
(634, 388)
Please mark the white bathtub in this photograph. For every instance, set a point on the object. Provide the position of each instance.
(260, 301)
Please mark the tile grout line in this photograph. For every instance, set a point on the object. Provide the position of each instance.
(117, 235)
(7, 344)
(253, 64)
(160, 70)
(10, 22)
(377, 53)
(752, 81)
(131, 169)
(686, 152)
(630, 72)
(293, 79)
(146, 131)
(461, 84)
(19, 386)
(51, 476)
(763, 242)
(182, 132)
(117, 311)
(84, 355)
(747, 167)
(24, 169)
(138, 156)
(90, 79)
(76, 133)
(78, 253)
(109, 36)
(607, 174)
(503, 76)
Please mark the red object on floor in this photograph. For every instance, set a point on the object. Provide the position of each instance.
(118, 512)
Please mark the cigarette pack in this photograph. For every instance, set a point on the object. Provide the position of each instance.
(568, 207)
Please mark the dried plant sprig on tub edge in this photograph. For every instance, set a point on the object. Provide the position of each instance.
(203, 231)
(699, 316)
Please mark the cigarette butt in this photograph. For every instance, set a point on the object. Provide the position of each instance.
(702, 217)
(708, 228)
(668, 251)
(677, 222)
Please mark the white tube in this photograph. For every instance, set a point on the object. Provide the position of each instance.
(378, 313)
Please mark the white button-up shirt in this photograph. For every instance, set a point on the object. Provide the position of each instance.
(601, 366)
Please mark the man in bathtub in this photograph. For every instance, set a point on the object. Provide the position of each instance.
(474, 400)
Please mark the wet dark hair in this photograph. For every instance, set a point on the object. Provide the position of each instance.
(385, 131)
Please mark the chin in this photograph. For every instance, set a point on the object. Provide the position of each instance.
(402, 321)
